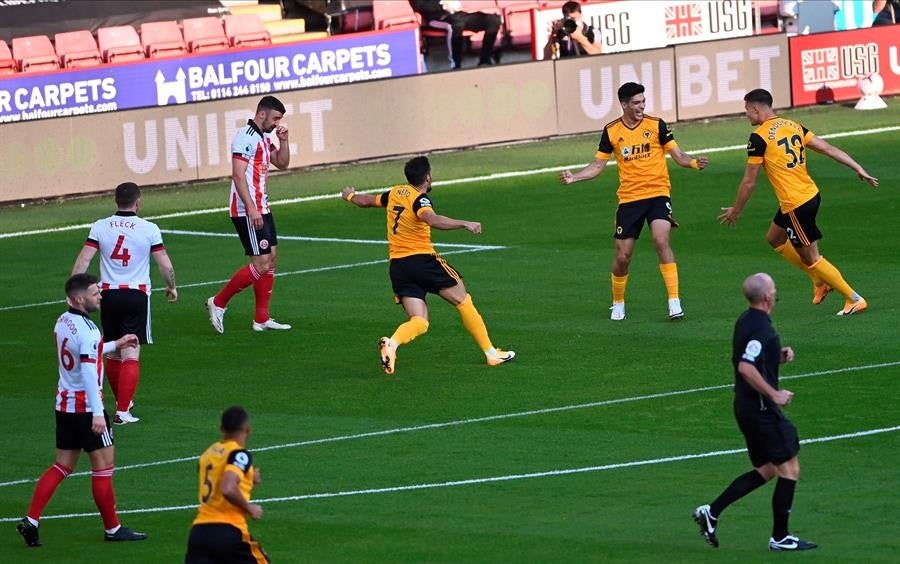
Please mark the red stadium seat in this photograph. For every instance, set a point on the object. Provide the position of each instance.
(246, 31)
(162, 39)
(34, 54)
(204, 34)
(7, 63)
(393, 14)
(77, 49)
(517, 20)
(119, 44)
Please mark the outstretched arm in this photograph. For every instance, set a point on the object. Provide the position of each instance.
(821, 146)
(438, 221)
(590, 171)
(687, 161)
(362, 200)
(730, 215)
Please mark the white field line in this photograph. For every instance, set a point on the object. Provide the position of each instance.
(495, 176)
(483, 480)
(331, 240)
(467, 249)
(469, 421)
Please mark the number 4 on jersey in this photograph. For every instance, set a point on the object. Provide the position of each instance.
(121, 253)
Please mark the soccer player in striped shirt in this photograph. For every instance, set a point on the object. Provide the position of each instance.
(81, 422)
(252, 151)
(125, 243)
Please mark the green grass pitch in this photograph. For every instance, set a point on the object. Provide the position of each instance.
(575, 452)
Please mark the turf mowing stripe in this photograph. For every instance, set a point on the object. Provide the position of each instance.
(330, 240)
(494, 176)
(468, 249)
(485, 480)
(460, 422)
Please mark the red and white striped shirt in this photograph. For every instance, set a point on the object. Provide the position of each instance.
(125, 243)
(79, 349)
(254, 147)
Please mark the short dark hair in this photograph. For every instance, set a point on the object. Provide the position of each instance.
(759, 96)
(270, 103)
(127, 193)
(78, 283)
(570, 7)
(416, 169)
(629, 89)
(233, 419)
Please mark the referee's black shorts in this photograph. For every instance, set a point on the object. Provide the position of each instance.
(221, 543)
(417, 275)
(73, 432)
(769, 435)
(256, 241)
(125, 311)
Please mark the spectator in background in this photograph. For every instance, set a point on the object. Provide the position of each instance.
(571, 36)
(446, 15)
(887, 12)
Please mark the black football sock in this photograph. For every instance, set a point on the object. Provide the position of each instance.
(782, 500)
(741, 486)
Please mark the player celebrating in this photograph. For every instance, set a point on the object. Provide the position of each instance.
(126, 242)
(251, 152)
(778, 145)
(640, 143)
(81, 422)
(226, 477)
(416, 269)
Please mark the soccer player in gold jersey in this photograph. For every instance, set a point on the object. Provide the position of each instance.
(226, 475)
(779, 146)
(416, 269)
(640, 143)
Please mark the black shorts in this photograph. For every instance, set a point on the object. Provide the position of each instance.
(416, 275)
(256, 241)
(630, 217)
(800, 223)
(212, 543)
(123, 312)
(73, 432)
(769, 435)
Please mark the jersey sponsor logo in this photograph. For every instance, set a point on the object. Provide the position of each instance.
(424, 202)
(242, 461)
(752, 350)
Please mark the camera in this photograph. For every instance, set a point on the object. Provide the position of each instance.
(568, 26)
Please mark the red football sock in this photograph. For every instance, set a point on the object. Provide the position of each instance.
(104, 496)
(129, 374)
(262, 288)
(113, 367)
(244, 276)
(50, 479)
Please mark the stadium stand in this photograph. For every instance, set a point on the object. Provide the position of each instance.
(204, 34)
(77, 49)
(394, 14)
(119, 44)
(287, 31)
(516, 21)
(34, 54)
(266, 12)
(246, 30)
(7, 63)
(162, 39)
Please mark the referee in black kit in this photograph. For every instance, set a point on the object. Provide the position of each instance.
(771, 438)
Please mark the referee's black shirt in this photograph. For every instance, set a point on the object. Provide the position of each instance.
(755, 341)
